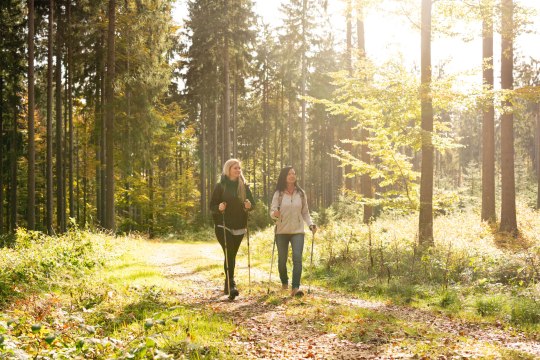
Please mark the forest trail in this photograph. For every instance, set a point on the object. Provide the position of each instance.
(317, 326)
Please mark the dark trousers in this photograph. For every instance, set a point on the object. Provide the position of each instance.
(233, 244)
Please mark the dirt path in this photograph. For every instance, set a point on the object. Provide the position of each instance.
(277, 327)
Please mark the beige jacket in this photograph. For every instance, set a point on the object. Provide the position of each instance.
(294, 212)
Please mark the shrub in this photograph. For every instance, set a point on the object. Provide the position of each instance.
(37, 258)
(449, 299)
(525, 311)
(489, 305)
(445, 202)
(260, 218)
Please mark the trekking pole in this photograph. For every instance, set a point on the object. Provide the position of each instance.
(271, 265)
(311, 261)
(226, 257)
(273, 248)
(249, 252)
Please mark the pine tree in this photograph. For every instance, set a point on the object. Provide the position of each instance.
(488, 122)
(31, 217)
(425, 230)
(296, 35)
(2, 172)
(49, 162)
(508, 191)
(219, 35)
(109, 120)
(365, 185)
(60, 200)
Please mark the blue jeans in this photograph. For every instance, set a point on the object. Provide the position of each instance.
(297, 243)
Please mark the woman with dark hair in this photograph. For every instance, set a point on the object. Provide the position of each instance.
(231, 200)
(290, 210)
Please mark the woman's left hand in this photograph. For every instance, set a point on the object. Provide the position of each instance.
(313, 228)
(247, 204)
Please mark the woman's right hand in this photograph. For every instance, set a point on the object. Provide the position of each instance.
(222, 206)
(276, 214)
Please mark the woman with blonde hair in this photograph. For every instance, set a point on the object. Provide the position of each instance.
(231, 200)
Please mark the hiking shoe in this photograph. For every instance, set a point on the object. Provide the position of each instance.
(297, 293)
(226, 287)
(284, 286)
(234, 293)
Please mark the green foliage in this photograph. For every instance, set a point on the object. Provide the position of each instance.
(259, 218)
(470, 267)
(525, 311)
(465, 254)
(364, 101)
(86, 312)
(384, 101)
(472, 178)
(489, 305)
(324, 216)
(449, 300)
(445, 202)
(347, 208)
(38, 260)
(157, 161)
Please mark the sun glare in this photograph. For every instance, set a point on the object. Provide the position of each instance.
(391, 35)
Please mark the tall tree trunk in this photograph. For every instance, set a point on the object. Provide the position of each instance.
(60, 201)
(65, 143)
(335, 171)
(129, 151)
(13, 162)
(281, 126)
(303, 93)
(177, 174)
(255, 188)
(98, 123)
(151, 192)
(235, 118)
(215, 167)
(508, 193)
(76, 150)
(277, 122)
(348, 54)
(102, 133)
(322, 168)
(31, 214)
(365, 181)
(488, 120)
(290, 129)
(347, 125)
(537, 155)
(49, 166)
(85, 173)
(109, 123)
(2, 154)
(70, 112)
(203, 161)
(226, 95)
(425, 230)
(266, 158)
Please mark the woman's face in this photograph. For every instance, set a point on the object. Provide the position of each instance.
(235, 171)
(291, 177)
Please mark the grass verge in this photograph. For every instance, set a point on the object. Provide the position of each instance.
(90, 296)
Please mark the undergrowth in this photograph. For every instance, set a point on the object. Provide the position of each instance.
(92, 296)
(472, 270)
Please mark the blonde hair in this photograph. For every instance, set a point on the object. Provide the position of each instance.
(241, 180)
